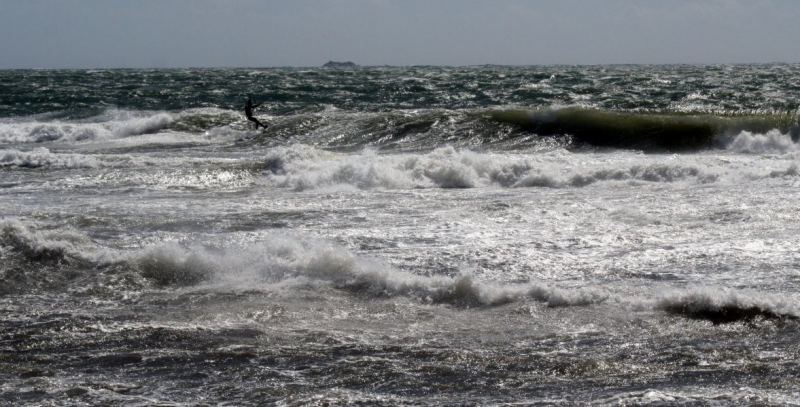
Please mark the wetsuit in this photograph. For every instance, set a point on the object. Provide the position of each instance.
(248, 112)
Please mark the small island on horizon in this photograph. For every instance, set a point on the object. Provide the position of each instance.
(340, 64)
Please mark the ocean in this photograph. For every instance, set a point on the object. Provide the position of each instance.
(487, 235)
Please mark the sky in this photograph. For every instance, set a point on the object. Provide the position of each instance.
(267, 33)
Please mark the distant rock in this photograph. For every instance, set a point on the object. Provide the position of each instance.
(340, 65)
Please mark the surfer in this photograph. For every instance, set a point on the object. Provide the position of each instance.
(248, 112)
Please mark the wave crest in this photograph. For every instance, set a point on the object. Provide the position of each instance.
(39, 246)
(723, 306)
(110, 125)
(291, 261)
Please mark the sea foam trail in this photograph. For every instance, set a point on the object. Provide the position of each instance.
(305, 168)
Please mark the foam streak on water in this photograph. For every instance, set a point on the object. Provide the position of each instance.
(434, 236)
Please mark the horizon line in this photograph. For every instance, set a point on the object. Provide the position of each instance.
(357, 66)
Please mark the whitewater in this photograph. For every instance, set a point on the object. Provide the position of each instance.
(485, 235)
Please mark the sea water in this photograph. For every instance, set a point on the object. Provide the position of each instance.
(420, 235)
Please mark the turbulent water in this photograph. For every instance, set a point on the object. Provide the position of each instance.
(423, 235)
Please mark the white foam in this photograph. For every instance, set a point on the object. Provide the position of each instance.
(42, 157)
(790, 171)
(110, 125)
(288, 259)
(36, 244)
(649, 173)
(773, 142)
(301, 167)
(142, 125)
(284, 263)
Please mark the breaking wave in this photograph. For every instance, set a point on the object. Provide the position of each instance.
(645, 131)
(297, 262)
(287, 262)
(305, 168)
(55, 246)
(773, 142)
(426, 129)
(724, 306)
(279, 262)
(110, 125)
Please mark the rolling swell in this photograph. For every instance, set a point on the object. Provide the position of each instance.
(513, 129)
(645, 131)
(425, 129)
(398, 130)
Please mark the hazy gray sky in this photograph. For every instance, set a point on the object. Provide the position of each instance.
(176, 33)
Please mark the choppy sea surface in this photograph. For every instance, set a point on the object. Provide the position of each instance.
(401, 236)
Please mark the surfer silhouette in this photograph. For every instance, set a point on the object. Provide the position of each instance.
(248, 112)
